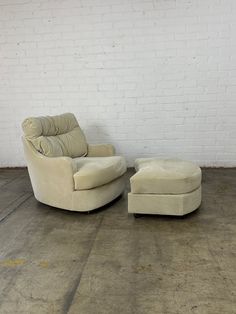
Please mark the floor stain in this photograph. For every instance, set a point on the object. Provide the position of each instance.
(44, 264)
(12, 262)
(143, 268)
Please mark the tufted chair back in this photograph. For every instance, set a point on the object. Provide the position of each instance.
(56, 136)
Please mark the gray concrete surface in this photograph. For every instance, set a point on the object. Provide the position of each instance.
(108, 262)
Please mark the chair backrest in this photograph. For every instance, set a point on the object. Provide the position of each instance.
(55, 136)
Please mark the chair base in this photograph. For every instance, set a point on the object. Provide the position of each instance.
(87, 200)
(164, 204)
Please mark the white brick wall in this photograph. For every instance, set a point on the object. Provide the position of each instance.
(153, 77)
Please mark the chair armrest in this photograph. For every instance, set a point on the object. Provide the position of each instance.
(100, 150)
(49, 171)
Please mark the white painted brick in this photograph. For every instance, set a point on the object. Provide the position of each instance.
(155, 78)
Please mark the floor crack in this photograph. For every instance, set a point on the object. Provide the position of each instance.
(70, 294)
(11, 208)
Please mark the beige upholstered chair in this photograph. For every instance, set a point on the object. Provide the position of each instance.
(65, 171)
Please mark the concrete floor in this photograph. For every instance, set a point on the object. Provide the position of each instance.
(108, 262)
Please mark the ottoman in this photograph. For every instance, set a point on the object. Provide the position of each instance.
(166, 187)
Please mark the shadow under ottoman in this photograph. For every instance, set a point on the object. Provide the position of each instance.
(165, 187)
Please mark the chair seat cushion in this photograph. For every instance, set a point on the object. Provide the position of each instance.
(171, 176)
(96, 171)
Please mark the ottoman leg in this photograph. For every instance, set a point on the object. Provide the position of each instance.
(137, 215)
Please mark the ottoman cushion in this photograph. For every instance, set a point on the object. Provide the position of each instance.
(170, 176)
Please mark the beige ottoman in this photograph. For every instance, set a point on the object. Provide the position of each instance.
(166, 187)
